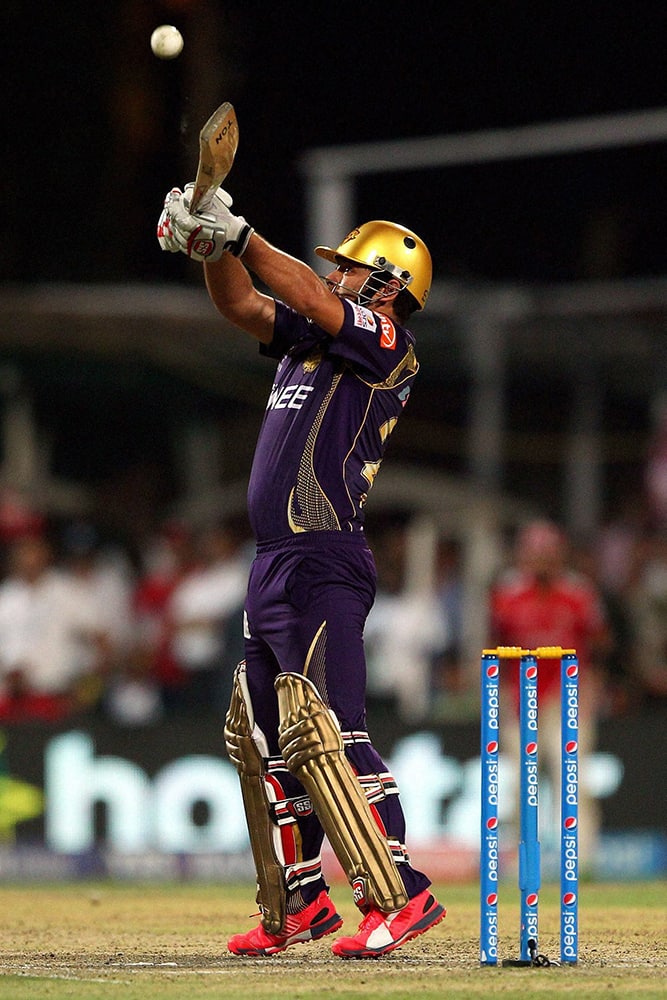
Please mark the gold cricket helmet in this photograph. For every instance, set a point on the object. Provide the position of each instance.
(387, 247)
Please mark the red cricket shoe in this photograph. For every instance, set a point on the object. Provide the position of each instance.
(318, 919)
(381, 932)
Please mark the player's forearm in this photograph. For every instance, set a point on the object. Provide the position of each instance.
(293, 282)
(232, 292)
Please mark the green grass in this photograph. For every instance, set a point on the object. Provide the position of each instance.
(162, 942)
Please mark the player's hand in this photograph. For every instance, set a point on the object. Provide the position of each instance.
(204, 235)
(165, 234)
(214, 230)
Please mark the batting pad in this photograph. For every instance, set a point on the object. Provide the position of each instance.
(241, 738)
(311, 743)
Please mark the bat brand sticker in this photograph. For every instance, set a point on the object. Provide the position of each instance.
(230, 123)
(388, 335)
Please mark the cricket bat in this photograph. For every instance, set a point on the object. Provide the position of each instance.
(218, 141)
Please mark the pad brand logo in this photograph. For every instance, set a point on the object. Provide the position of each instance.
(388, 336)
(363, 318)
(359, 894)
(302, 807)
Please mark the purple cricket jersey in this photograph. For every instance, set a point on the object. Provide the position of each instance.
(331, 410)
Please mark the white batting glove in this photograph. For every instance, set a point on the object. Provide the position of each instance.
(204, 235)
(165, 235)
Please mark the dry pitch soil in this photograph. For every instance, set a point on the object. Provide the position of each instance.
(157, 936)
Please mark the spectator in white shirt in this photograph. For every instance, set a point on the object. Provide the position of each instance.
(205, 612)
(50, 636)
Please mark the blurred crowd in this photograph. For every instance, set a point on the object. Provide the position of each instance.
(87, 626)
(607, 599)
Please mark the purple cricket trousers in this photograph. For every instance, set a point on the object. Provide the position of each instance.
(308, 599)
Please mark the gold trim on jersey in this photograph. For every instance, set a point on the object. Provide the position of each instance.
(317, 512)
(370, 470)
(386, 428)
(362, 500)
(408, 365)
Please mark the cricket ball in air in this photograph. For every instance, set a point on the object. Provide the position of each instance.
(166, 42)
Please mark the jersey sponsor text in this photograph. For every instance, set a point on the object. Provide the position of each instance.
(288, 397)
(363, 317)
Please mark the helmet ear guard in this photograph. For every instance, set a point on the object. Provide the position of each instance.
(390, 250)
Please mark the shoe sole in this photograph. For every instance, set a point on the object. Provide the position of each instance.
(315, 933)
(427, 921)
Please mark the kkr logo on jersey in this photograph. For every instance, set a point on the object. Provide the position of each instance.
(313, 360)
(288, 397)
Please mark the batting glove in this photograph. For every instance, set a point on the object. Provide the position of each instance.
(165, 234)
(203, 235)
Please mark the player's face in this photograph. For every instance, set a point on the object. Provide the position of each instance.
(348, 280)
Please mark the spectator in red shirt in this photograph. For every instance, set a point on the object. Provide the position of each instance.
(540, 601)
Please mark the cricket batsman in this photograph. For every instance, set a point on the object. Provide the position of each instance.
(296, 726)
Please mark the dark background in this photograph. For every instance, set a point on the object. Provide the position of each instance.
(98, 129)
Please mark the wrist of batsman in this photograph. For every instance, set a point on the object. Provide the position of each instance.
(204, 243)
